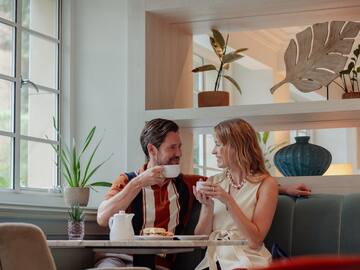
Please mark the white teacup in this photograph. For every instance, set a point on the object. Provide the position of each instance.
(171, 171)
(199, 185)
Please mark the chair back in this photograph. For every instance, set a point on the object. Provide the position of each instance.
(24, 246)
(316, 263)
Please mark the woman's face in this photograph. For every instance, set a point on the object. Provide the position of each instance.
(220, 153)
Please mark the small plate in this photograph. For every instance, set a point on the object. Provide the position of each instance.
(155, 237)
(191, 237)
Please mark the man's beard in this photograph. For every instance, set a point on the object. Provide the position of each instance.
(171, 161)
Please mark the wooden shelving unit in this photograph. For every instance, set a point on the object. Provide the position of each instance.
(280, 116)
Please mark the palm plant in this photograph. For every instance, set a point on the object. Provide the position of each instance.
(71, 161)
(219, 45)
(349, 76)
(267, 149)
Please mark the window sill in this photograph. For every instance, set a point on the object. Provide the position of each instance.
(35, 200)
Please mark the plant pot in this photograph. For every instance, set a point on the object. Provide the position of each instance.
(76, 195)
(351, 95)
(213, 98)
(302, 158)
(76, 230)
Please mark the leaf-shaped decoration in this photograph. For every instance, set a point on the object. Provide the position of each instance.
(319, 56)
(204, 68)
(233, 56)
(233, 82)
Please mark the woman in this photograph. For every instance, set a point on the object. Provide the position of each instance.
(240, 201)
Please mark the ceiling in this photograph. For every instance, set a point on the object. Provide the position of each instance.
(234, 15)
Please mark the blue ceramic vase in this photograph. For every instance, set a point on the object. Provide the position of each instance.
(302, 158)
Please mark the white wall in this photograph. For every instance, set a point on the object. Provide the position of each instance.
(99, 87)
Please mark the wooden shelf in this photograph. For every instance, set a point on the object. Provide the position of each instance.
(280, 116)
(328, 184)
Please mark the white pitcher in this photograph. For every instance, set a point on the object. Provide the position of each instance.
(121, 227)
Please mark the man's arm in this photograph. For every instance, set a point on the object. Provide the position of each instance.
(128, 192)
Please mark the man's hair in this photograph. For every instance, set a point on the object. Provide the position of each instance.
(155, 132)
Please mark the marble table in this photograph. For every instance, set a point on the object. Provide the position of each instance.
(142, 246)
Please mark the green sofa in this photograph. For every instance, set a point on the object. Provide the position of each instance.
(319, 224)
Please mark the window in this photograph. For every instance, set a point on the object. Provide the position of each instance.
(29, 93)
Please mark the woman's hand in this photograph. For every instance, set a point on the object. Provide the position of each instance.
(211, 190)
(202, 198)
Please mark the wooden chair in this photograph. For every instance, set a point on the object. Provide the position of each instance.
(316, 263)
(23, 246)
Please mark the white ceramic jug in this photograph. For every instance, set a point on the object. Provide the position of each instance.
(121, 227)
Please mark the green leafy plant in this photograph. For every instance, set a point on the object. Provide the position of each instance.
(349, 76)
(71, 162)
(263, 139)
(76, 213)
(219, 45)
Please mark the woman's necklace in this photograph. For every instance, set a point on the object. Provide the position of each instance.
(232, 182)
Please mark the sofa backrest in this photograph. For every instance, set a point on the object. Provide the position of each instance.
(319, 224)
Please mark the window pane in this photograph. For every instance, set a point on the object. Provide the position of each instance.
(5, 105)
(198, 171)
(7, 9)
(37, 112)
(37, 165)
(210, 158)
(41, 16)
(6, 50)
(5, 162)
(39, 60)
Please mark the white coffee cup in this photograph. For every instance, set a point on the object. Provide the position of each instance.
(171, 171)
(199, 185)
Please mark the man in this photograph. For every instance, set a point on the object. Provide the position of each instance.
(156, 200)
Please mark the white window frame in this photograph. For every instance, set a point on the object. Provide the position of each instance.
(29, 195)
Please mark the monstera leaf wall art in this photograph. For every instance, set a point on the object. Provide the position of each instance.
(320, 54)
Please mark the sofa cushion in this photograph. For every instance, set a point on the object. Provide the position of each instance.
(319, 224)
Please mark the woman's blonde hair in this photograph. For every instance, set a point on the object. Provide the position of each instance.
(239, 135)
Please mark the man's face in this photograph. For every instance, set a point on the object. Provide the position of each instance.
(169, 152)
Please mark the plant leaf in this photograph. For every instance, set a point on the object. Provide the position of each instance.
(88, 139)
(95, 169)
(101, 184)
(232, 56)
(217, 48)
(310, 72)
(233, 82)
(226, 66)
(258, 136)
(204, 68)
(265, 136)
(219, 39)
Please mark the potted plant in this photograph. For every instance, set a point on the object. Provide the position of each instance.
(76, 223)
(263, 139)
(78, 176)
(349, 76)
(216, 97)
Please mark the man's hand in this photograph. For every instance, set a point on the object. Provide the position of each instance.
(152, 176)
(295, 190)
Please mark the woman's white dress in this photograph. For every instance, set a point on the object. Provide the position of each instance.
(230, 257)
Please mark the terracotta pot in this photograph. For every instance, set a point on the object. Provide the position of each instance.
(76, 195)
(213, 98)
(351, 95)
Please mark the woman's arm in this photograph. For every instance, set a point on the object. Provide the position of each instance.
(256, 229)
(204, 225)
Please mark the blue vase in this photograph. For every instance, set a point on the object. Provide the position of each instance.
(302, 158)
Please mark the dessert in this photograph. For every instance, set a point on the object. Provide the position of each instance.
(152, 231)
